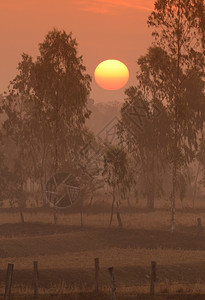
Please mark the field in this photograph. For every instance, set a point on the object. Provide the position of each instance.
(65, 253)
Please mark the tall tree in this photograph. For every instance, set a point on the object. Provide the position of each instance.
(60, 82)
(46, 106)
(146, 126)
(179, 30)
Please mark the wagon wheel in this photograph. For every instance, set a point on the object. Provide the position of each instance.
(62, 190)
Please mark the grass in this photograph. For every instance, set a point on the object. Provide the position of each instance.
(176, 292)
(134, 218)
(66, 253)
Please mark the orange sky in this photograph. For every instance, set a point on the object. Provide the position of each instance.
(104, 29)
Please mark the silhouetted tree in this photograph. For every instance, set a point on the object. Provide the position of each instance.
(116, 175)
(46, 107)
(179, 30)
(145, 126)
(59, 81)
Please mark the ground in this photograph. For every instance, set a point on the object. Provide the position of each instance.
(65, 253)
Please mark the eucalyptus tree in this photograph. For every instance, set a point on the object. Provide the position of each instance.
(116, 175)
(145, 126)
(46, 106)
(179, 31)
(60, 82)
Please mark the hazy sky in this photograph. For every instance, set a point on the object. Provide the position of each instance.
(103, 28)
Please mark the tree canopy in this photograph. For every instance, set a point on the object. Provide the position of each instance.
(46, 107)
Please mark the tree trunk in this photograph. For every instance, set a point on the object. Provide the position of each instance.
(112, 208)
(81, 217)
(151, 184)
(22, 216)
(91, 200)
(175, 161)
(119, 220)
(195, 186)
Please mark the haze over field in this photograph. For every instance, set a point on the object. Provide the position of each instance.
(102, 174)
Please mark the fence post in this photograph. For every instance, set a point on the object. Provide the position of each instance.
(153, 277)
(9, 275)
(96, 274)
(113, 286)
(36, 278)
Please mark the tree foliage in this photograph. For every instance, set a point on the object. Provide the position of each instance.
(46, 107)
(145, 126)
(116, 174)
(172, 75)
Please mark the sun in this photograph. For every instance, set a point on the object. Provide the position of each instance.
(111, 74)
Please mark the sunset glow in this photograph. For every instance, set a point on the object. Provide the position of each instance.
(111, 74)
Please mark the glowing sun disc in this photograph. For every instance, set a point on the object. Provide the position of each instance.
(111, 74)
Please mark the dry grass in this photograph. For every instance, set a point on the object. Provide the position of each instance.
(108, 257)
(162, 291)
(141, 220)
(66, 253)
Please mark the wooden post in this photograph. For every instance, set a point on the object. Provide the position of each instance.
(199, 227)
(96, 274)
(36, 279)
(153, 277)
(113, 286)
(9, 276)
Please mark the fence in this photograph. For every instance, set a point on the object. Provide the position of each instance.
(96, 281)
